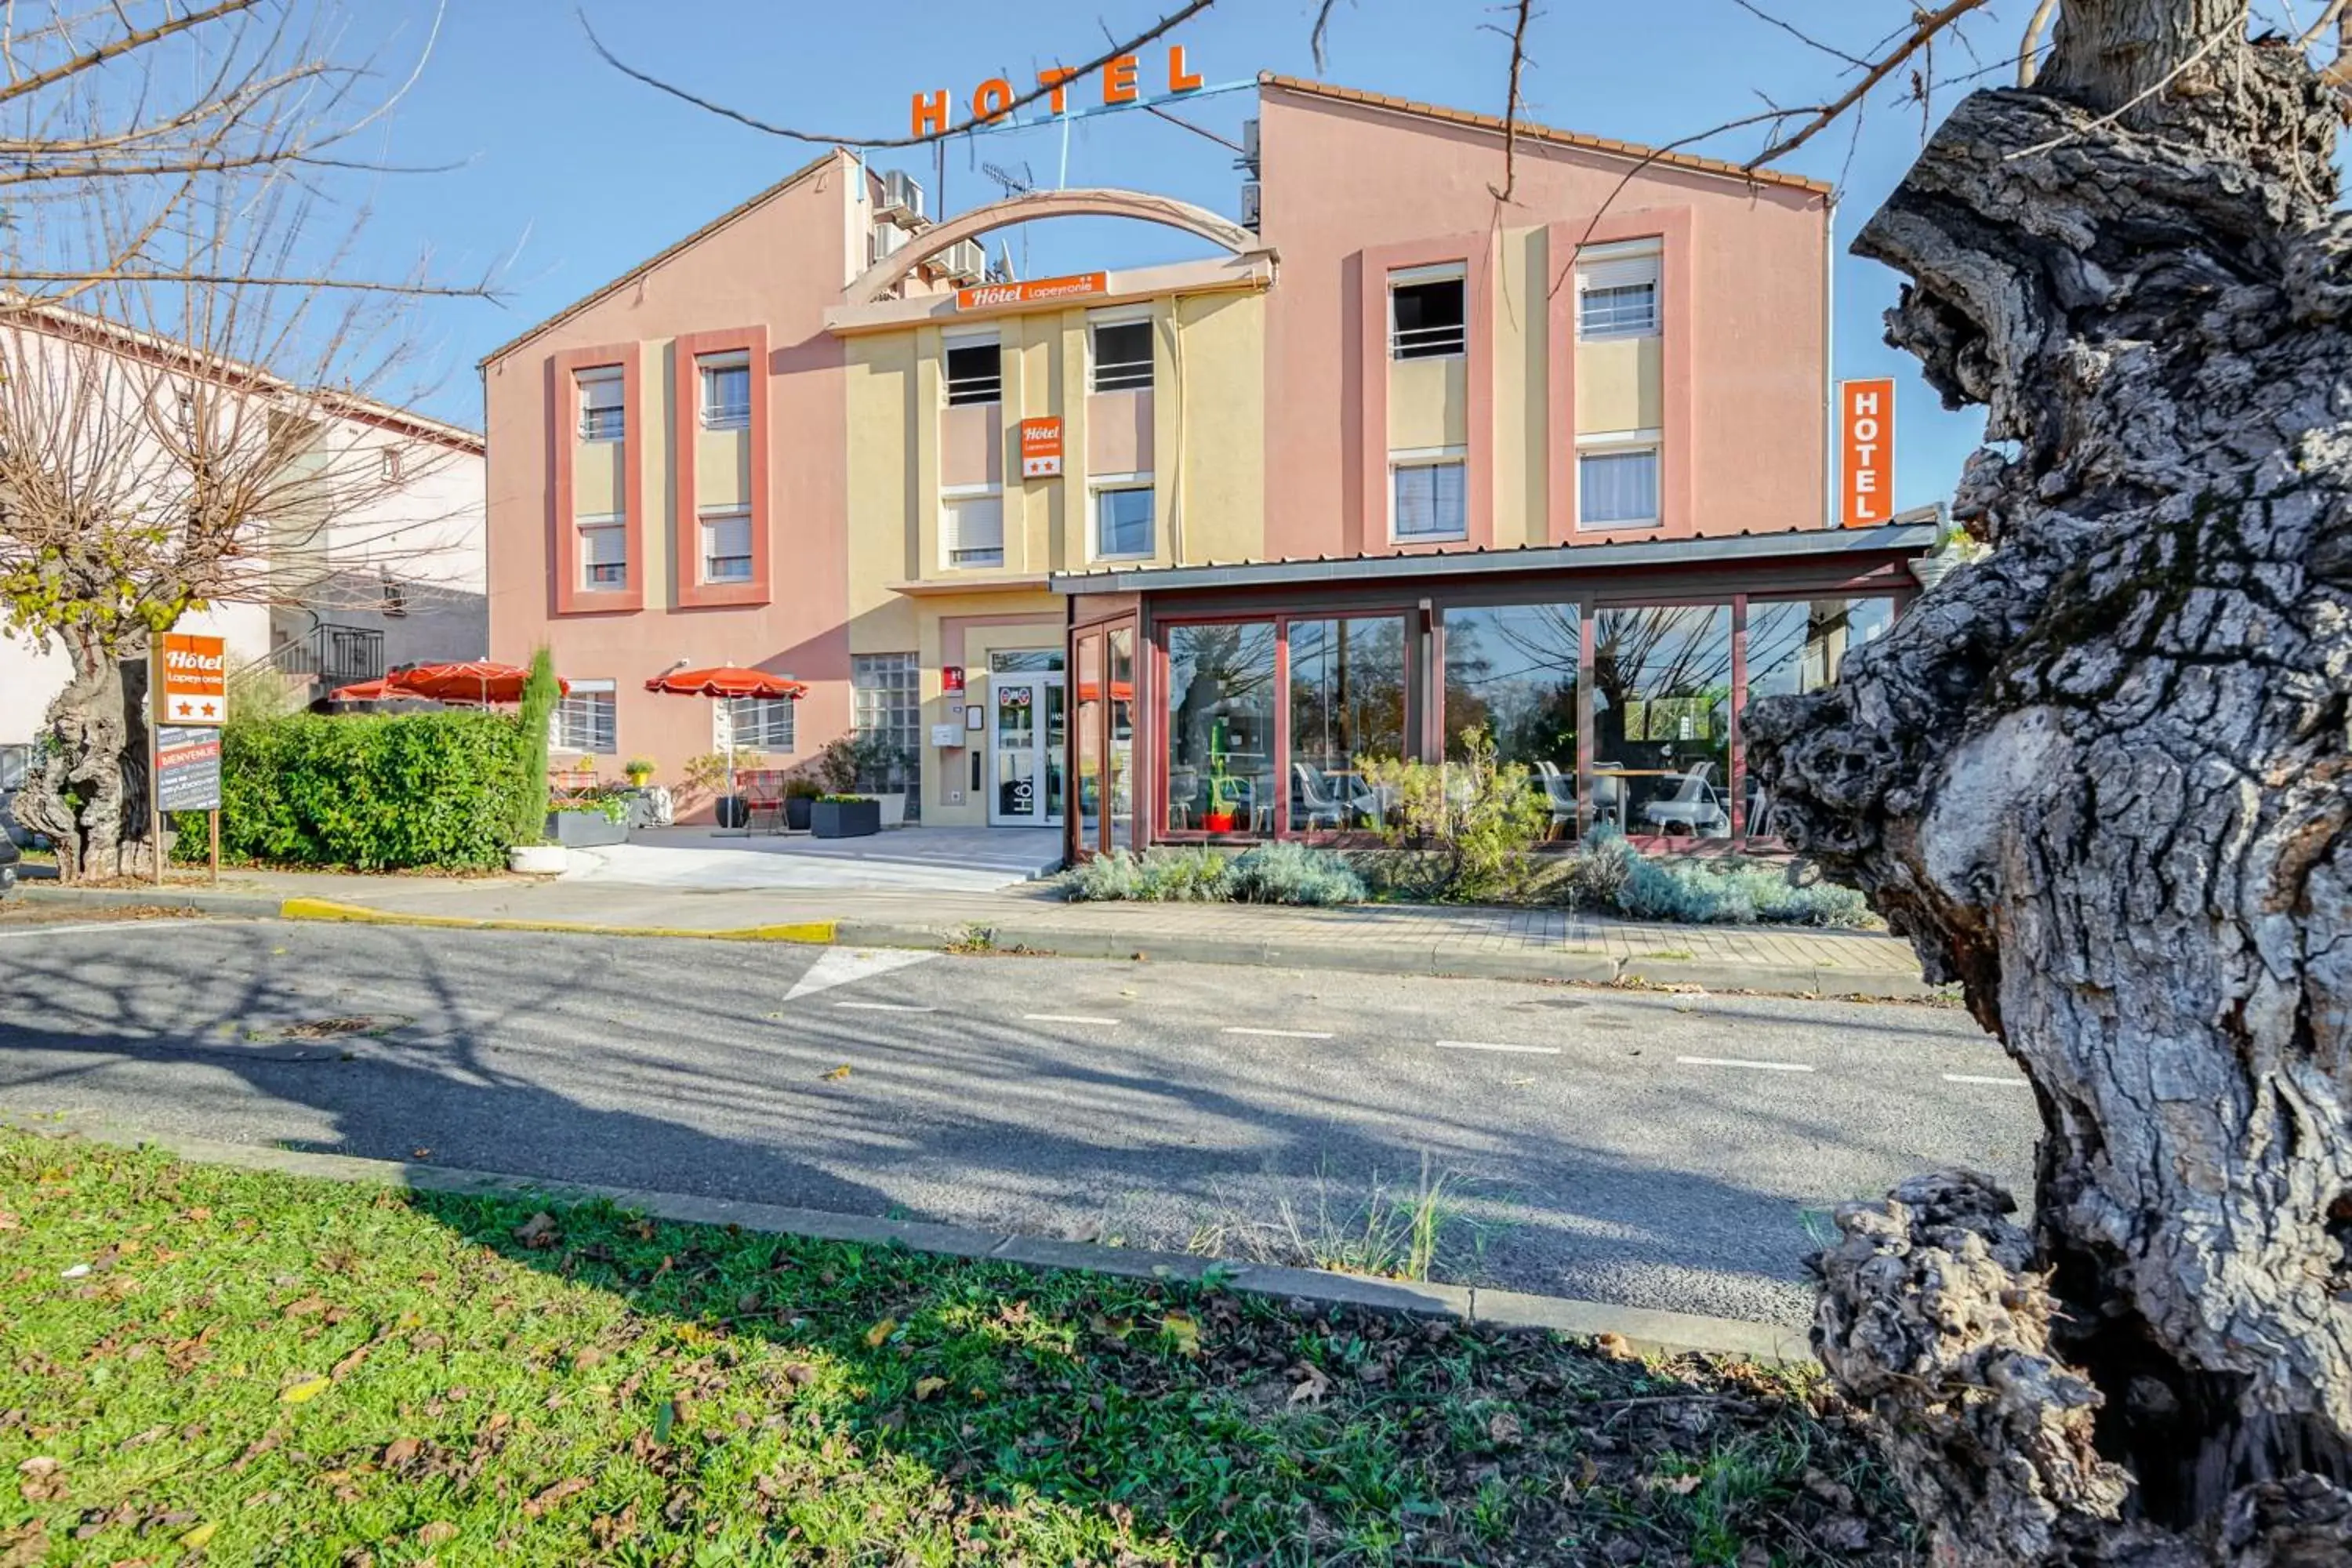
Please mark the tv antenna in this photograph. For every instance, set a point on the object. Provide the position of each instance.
(1013, 182)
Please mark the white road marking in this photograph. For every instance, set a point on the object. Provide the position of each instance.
(97, 925)
(1739, 1062)
(881, 1007)
(840, 965)
(1277, 1034)
(1498, 1046)
(1977, 1078)
(1068, 1018)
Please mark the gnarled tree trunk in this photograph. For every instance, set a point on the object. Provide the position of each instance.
(2104, 779)
(87, 788)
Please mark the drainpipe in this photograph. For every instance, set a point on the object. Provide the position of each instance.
(1176, 481)
(1829, 366)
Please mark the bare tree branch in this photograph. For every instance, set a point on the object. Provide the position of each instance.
(1803, 37)
(1511, 110)
(1929, 24)
(2031, 44)
(1183, 13)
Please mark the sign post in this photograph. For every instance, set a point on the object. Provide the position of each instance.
(1867, 448)
(189, 681)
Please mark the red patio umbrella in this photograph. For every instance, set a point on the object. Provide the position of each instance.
(728, 680)
(483, 681)
(378, 690)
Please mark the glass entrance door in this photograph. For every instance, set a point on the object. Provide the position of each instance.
(1028, 732)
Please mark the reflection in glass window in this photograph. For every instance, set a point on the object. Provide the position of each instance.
(1662, 714)
(1347, 702)
(1512, 669)
(1801, 646)
(1121, 696)
(1221, 717)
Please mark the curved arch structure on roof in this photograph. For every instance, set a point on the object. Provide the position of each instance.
(876, 283)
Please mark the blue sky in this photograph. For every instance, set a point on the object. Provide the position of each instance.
(569, 174)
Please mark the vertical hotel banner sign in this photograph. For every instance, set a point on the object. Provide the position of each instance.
(1866, 445)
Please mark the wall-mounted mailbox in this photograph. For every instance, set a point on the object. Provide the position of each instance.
(947, 734)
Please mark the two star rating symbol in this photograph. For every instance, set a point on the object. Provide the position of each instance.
(182, 708)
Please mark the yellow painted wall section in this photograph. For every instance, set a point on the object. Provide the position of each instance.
(1619, 385)
(595, 477)
(884, 533)
(653, 508)
(1210, 445)
(1522, 389)
(723, 466)
(1429, 403)
(1029, 384)
(929, 372)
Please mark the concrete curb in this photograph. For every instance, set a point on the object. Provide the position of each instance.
(1438, 959)
(1664, 1333)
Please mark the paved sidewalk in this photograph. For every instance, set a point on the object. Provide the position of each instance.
(1523, 945)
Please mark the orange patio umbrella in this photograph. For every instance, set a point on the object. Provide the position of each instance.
(728, 680)
(378, 690)
(483, 681)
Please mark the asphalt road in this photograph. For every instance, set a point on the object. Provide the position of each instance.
(1660, 1151)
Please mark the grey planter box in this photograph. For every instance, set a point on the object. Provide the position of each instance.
(845, 818)
(585, 830)
(796, 812)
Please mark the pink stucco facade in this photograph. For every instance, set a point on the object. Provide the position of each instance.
(759, 279)
(1353, 188)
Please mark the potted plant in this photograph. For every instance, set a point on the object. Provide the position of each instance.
(590, 822)
(845, 816)
(870, 766)
(800, 794)
(713, 774)
(640, 771)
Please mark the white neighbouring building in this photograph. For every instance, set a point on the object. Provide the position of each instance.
(397, 578)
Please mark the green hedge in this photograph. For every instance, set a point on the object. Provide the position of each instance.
(369, 792)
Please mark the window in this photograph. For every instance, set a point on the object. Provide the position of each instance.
(1122, 357)
(602, 414)
(1426, 317)
(886, 705)
(1123, 521)
(727, 545)
(1428, 500)
(975, 372)
(1662, 713)
(1025, 661)
(391, 464)
(1347, 704)
(1617, 487)
(1511, 670)
(583, 721)
(1801, 645)
(726, 392)
(603, 552)
(1221, 715)
(1618, 298)
(752, 724)
(973, 531)
(395, 601)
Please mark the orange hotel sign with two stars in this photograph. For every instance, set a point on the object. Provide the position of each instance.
(192, 679)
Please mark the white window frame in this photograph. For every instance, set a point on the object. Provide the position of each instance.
(1406, 277)
(598, 522)
(1429, 458)
(1102, 484)
(722, 726)
(1129, 317)
(599, 375)
(953, 341)
(707, 368)
(949, 495)
(557, 740)
(1627, 264)
(705, 516)
(1616, 443)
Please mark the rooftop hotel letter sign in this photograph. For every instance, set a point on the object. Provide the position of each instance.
(992, 100)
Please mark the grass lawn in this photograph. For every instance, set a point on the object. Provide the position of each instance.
(213, 1365)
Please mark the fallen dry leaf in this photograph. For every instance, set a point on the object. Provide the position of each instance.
(571, 1486)
(25, 1545)
(1681, 1486)
(1184, 1332)
(1504, 1429)
(1616, 1347)
(309, 1388)
(1845, 1533)
(202, 1532)
(927, 1386)
(308, 1306)
(398, 1452)
(838, 1073)
(434, 1533)
(1312, 1384)
(539, 1232)
(43, 1479)
(881, 1332)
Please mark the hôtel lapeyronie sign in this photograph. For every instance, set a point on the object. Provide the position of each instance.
(1121, 80)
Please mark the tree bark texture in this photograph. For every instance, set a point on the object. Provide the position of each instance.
(87, 788)
(2103, 778)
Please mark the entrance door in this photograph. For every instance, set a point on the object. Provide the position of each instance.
(1028, 730)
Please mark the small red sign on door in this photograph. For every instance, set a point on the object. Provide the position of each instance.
(1041, 448)
(952, 678)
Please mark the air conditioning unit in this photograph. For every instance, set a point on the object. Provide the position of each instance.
(1249, 145)
(1249, 203)
(902, 198)
(966, 261)
(883, 239)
